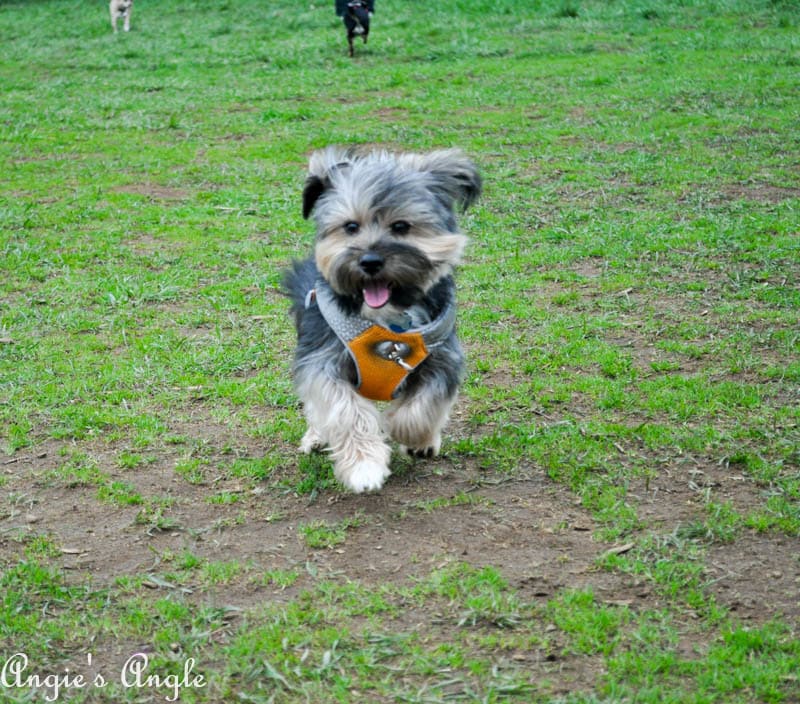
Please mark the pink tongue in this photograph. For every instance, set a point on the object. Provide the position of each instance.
(376, 295)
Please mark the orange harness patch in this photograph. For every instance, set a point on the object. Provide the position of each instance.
(383, 357)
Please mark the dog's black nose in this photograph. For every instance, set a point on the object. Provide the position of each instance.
(371, 263)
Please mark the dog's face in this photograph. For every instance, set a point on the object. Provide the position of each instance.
(386, 226)
(121, 6)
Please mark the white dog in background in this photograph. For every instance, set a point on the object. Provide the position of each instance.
(121, 8)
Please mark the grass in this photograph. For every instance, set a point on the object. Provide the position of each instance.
(293, 652)
(320, 534)
(629, 305)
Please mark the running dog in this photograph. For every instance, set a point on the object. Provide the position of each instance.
(121, 8)
(356, 15)
(375, 307)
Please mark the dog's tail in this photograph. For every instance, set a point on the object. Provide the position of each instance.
(297, 282)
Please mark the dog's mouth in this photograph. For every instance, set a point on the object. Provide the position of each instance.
(376, 294)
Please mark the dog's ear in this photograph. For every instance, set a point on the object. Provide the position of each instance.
(321, 167)
(314, 188)
(456, 178)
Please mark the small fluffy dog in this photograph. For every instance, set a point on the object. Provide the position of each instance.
(374, 306)
(356, 15)
(121, 8)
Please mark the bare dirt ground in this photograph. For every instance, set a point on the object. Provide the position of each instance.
(529, 528)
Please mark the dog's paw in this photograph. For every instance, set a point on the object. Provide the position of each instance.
(364, 476)
(422, 452)
(425, 450)
(311, 441)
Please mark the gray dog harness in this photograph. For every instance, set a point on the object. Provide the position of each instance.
(383, 357)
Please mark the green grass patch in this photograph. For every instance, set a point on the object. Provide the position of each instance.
(629, 306)
(319, 534)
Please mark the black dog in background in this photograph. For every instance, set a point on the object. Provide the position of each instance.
(356, 14)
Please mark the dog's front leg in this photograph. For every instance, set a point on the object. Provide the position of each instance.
(416, 421)
(350, 427)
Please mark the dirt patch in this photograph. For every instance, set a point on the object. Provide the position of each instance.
(757, 577)
(681, 490)
(154, 191)
(760, 193)
(530, 529)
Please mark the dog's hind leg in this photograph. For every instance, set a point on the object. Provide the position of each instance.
(350, 427)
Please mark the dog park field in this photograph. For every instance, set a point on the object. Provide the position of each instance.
(615, 515)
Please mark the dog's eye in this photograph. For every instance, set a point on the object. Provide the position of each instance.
(352, 228)
(401, 227)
